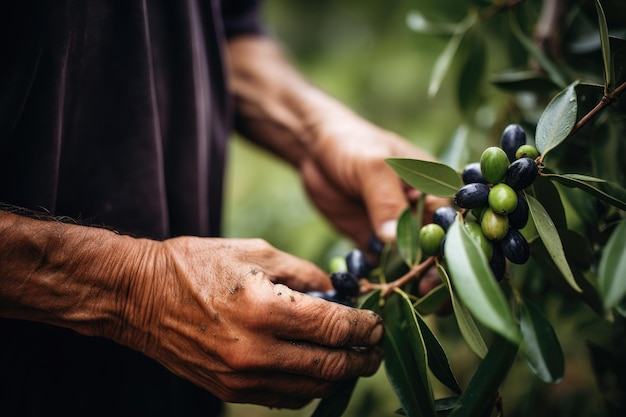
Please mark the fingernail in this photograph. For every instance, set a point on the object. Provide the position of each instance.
(376, 335)
(388, 230)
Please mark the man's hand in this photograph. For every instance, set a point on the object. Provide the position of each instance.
(340, 156)
(219, 313)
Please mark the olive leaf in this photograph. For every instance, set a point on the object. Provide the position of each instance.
(336, 404)
(464, 319)
(408, 237)
(540, 346)
(403, 369)
(429, 177)
(612, 268)
(523, 81)
(432, 301)
(480, 392)
(557, 120)
(475, 284)
(473, 70)
(609, 73)
(606, 191)
(437, 359)
(550, 237)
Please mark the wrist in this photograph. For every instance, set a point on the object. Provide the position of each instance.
(65, 274)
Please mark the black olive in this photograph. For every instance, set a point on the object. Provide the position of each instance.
(345, 283)
(515, 247)
(357, 263)
(444, 216)
(519, 217)
(472, 195)
(512, 138)
(497, 261)
(522, 173)
(471, 173)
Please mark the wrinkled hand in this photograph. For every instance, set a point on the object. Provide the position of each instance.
(348, 179)
(220, 313)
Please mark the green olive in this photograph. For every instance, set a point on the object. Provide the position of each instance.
(493, 164)
(430, 237)
(502, 199)
(526, 151)
(495, 226)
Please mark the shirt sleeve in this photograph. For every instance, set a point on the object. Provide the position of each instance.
(242, 17)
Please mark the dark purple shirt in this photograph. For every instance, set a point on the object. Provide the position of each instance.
(116, 113)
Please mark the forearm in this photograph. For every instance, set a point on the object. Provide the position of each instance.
(64, 274)
(275, 106)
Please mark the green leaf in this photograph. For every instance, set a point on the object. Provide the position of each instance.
(429, 177)
(417, 22)
(550, 238)
(418, 347)
(408, 237)
(548, 195)
(523, 81)
(336, 404)
(612, 268)
(608, 192)
(443, 63)
(457, 149)
(473, 71)
(437, 359)
(557, 120)
(554, 71)
(475, 284)
(403, 371)
(464, 319)
(540, 347)
(371, 302)
(432, 301)
(482, 389)
(609, 76)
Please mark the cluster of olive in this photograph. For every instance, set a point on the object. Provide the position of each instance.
(345, 273)
(492, 197)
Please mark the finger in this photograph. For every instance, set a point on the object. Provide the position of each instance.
(284, 268)
(306, 362)
(348, 215)
(298, 317)
(385, 198)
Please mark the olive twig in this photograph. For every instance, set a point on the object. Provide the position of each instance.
(388, 288)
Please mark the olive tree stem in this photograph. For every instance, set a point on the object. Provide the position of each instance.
(388, 288)
(606, 100)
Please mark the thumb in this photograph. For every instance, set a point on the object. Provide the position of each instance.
(385, 199)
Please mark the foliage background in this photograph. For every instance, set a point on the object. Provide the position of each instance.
(364, 54)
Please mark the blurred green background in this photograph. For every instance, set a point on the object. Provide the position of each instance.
(364, 54)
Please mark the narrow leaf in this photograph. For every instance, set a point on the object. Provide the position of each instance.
(608, 192)
(408, 237)
(557, 120)
(540, 347)
(336, 404)
(548, 195)
(443, 63)
(523, 81)
(475, 284)
(371, 302)
(416, 340)
(437, 359)
(612, 268)
(609, 78)
(465, 321)
(432, 301)
(473, 71)
(402, 369)
(429, 177)
(481, 391)
(550, 238)
(554, 71)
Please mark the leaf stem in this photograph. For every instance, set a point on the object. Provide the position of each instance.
(388, 288)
